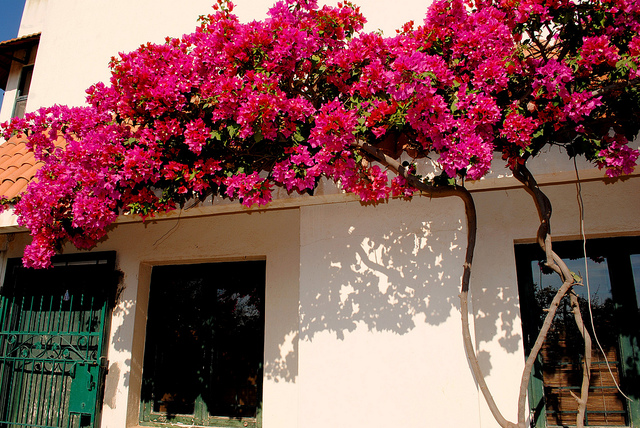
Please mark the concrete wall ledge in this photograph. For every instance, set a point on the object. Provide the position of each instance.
(218, 206)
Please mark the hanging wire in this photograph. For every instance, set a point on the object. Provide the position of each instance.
(169, 232)
(586, 268)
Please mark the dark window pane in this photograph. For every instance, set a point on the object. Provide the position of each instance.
(20, 108)
(25, 80)
(635, 264)
(563, 351)
(204, 346)
(24, 85)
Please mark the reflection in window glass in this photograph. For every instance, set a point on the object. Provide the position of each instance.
(599, 282)
(635, 265)
(23, 91)
(563, 351)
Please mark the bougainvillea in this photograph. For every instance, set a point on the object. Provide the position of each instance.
(234, 109)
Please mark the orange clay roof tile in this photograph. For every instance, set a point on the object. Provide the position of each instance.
(14, 154)
(11, 188)
(18, 166)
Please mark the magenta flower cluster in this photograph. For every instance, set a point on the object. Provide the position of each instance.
(234, 109)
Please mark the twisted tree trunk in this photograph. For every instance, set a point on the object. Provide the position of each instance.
(553, 261)
(586, 362)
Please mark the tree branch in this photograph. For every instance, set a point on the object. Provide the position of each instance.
(615, 87)
(533, 355)
(586, 363)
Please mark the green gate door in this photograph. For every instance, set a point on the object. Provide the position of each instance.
(53, 325)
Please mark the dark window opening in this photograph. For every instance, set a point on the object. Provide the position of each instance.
(204, 344)
(614, 271)
(23, 91)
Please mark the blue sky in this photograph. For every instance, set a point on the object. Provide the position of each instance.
(10, 14)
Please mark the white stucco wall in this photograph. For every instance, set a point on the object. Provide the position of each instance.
(381, 342)
(80, 36)
(33, 17)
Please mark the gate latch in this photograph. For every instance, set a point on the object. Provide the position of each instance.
(83, 394)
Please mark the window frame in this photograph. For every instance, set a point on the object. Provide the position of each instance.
(201, 416)
(618, 251)
(22, 95)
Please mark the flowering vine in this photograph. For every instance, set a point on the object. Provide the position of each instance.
(233, 109)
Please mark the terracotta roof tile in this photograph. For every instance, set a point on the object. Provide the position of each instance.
(18, 166)
(22, 39)
(11, 188)
(13, 153)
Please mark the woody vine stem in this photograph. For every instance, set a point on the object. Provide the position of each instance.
(470, 212)
(553, 261)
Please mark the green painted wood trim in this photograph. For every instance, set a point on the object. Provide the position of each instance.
(93, 273)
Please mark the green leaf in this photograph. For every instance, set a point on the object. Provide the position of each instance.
(232, 129)
(297, 137)
(576, 277)
(539, 133)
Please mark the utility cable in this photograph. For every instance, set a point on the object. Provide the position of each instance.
(586, 268)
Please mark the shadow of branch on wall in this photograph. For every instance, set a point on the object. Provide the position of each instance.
(383, 278)
(397, 266)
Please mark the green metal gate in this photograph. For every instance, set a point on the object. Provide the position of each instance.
(53, 325)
